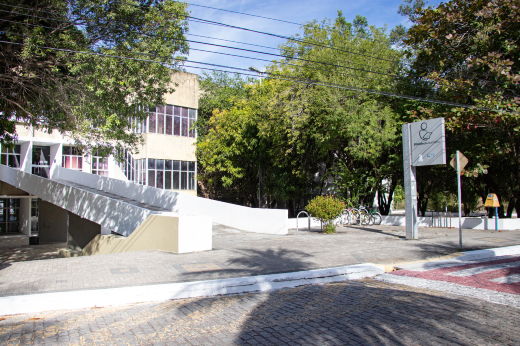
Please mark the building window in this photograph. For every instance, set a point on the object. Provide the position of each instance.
(41, 161)
(170, 120)
(128, 166)
(72, 158)
(99, 165)
(9, 215)
(11, 156)
(167, 174)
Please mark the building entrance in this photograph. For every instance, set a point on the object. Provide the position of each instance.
(41, 161)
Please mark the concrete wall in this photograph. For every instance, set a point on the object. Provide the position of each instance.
(177, 234)
(186, 93)
(9, 190)
(81, 232)
(467, 222)
(157, 146)
(271, 221)
(52, 223)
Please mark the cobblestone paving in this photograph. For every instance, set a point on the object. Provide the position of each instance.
(365, 312)
(236, 254)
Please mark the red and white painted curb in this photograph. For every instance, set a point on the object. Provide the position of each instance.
(492, 275)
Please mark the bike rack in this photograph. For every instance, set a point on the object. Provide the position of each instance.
(308, 217)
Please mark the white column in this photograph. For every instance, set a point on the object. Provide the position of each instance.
(56, 157)
(26, 156)
(25, 216)
(410, 186)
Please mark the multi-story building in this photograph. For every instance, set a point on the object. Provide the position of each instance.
(165, 160)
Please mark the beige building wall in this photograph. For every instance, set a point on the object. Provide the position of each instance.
(22, 130)
(186, 92)
(157, 146)
(55, 134)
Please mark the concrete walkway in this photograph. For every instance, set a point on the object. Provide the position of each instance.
(239, 254)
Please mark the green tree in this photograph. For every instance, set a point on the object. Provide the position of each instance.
(53, 74)
(352, 133)
(468, 52)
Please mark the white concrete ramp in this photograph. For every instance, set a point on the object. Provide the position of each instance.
(271, 221)
(122, 206)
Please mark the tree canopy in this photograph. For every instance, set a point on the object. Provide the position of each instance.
(86, 67)
(294, 132)
(468, 51)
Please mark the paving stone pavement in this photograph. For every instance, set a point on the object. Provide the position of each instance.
(365, 312)
(236, 254)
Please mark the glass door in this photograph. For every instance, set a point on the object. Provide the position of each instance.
(41, 161)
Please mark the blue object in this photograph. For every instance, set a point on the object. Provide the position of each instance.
(496, 218)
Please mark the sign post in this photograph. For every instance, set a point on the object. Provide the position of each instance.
(459, 162)
(424, 144)
(492, 201)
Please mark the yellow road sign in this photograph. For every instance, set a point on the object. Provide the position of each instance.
(492, 201)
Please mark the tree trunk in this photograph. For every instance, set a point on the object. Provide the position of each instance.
(384, 204)
(290, 208)
(510, 208)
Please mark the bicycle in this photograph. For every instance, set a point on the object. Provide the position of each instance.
(373, 215)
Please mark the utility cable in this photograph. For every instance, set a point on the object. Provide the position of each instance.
(337, 86)
(272, 54)
(288, 38)
(245, 14)
(278, 62)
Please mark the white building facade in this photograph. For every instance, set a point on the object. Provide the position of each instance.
(166, 159)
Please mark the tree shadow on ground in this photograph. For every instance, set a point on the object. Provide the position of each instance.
(254, 262)
(359, 312)
(375, 230)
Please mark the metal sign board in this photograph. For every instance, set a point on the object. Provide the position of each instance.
(428, 142)
(492, 201)
(463, 161)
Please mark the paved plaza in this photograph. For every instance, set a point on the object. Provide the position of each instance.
(365, 312)
(235, 254)
(435, 303)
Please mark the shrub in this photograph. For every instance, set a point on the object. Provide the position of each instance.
(326, 209)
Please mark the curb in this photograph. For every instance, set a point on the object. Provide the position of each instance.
(488, 253)
(80, 299)
(456, 258)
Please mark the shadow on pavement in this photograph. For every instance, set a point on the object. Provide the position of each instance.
(362, 312)
(256, 262)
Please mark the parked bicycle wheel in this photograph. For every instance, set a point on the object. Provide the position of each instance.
(364, 218)
(377, 218)
(354, 216)
(345, 217)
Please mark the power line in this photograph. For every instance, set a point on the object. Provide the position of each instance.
(198, 62)
(286, 63)
(242, 49)
(285, 37)
(222, 39)
(236, 68)
(245, 14)
(283, 77)
(212, 44)
(251, 30)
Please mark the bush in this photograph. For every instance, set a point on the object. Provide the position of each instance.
(326, 209)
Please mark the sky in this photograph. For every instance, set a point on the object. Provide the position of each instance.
(377, 12)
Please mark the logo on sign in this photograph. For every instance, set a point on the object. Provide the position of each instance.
(424, 133)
